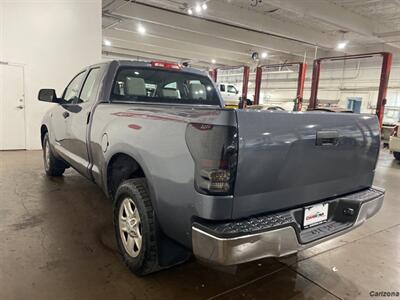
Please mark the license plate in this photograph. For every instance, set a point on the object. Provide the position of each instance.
(315, 214)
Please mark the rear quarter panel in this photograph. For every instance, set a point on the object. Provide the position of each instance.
(154, 135)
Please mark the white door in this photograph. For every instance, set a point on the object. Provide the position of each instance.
(12, 107)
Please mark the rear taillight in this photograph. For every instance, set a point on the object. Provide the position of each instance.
(214, 149)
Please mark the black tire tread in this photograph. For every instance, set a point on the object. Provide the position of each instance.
(57, 167)
(396, 155)
(137, 188)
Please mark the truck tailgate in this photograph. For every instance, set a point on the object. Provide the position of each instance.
(289, 159)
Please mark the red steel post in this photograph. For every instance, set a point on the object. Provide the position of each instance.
(314, 84)
(383, 86)
(246, 75)
(300, 86)
(257, 88)
(213, 74)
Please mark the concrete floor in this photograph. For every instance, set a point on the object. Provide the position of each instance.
(57, 243)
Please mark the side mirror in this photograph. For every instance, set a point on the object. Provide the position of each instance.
(237, 92)
(48, 95)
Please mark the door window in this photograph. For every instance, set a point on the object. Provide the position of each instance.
(72, 90)
(232, 89)
(89, 86)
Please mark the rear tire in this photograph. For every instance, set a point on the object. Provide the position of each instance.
(135, 229)
(396, 155)
(53, 166)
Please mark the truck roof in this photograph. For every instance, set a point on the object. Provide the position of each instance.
(134, 63)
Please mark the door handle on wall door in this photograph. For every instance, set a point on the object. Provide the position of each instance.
(20, 106)
(65, 114)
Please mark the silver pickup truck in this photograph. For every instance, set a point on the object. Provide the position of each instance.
(187, 175)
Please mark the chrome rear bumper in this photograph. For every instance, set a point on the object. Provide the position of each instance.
(272, 243)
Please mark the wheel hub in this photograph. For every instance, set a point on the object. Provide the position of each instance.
(130, 227)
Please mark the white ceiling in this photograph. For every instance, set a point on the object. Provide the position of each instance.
(230, 30)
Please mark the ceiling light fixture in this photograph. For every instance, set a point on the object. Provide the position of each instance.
(198, 8)
(213, 61)
(342, 45)
(107, 43)
(264, 55)
(141, 29)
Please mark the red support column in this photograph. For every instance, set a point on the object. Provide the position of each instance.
(246, 75)
(300, 86)
(213, 74)
(257, 87)
(385, 72)
(314, 84)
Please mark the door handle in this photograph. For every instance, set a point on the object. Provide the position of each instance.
(65, 114)
(20, 106)
(327, 138)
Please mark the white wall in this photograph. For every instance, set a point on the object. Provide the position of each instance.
(53, 40)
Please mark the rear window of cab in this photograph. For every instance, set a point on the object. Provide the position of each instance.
(154, 85)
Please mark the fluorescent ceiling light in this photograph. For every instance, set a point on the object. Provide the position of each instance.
(190, 11)
(342, 45)
(141, 29)
(198, 8)
(204, 6)
(107, 43)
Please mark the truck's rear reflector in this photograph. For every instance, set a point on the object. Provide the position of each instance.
(165, 65)
(214, 151)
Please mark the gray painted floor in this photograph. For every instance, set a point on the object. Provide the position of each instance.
(57, 243)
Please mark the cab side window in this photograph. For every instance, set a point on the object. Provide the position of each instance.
(232, 89)
(89, 86)
(72, 90)
(222, 88)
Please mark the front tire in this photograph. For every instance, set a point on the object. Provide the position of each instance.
(396, 155)
(135, 229)
(53, 166)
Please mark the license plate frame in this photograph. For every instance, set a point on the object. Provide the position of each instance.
(316, 214)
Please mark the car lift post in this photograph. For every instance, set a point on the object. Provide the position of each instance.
(383, 84)
(246, 76)
(300, 82)
(257, 88)
(300, 86)
(213, 74)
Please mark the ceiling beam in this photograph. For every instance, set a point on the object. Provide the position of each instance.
(329, 13)
(160, 31)
(207, 44)
(336, 15)
(211, 53)
(163, 50)
(229, 13)
(210, 29)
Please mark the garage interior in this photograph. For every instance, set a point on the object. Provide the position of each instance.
(335, 55)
